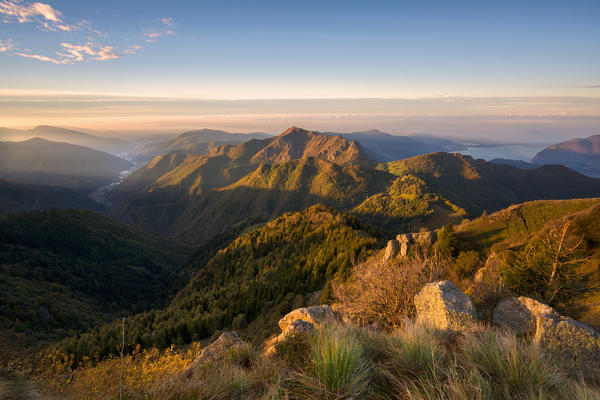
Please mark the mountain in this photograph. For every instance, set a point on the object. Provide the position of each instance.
(55, 134)
(197, 142)
(17, 197)
(162, 195)
(478, 185)
(65, 271)
(249, 284)
(42, 162)
(196, 197)
(271, 190)
(582, 155)
(378, 145)
(384, 147)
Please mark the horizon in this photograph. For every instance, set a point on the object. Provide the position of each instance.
(505, 72)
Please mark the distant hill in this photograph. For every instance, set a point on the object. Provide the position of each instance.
(582, 155)
(193, 142)
(384, 147)
(66, 271)
(52, 133)
(515, 163)
(17, 197)
(42, 162)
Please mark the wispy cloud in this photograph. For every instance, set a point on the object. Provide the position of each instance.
(42, 58)
(78, 52)
(583, 86)
(94, 48)
(41, 13)
(166, 28)
(7, 45)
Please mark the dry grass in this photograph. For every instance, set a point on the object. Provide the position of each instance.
(382, 293)
(346, 362)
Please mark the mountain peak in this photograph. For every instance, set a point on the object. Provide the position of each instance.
(295, 130)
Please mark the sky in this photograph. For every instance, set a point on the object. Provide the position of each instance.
(440, 67)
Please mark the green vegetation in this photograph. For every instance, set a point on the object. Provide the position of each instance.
(548, 250)
(247, 286)
(65, 271)
(16, 197)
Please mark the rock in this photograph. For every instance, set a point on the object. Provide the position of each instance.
(298, 322)
(404, 246)
(423, 238)
(403, 238)
(444, 306)
(551, 330)
(511, 313)
(298, 327)
(392, 249)
(315, 315)
(215, 350)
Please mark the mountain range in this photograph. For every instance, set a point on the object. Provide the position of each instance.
(196, 197)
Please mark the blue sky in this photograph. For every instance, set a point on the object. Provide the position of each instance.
(302, 50)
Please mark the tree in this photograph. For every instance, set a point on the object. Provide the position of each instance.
(550, 268)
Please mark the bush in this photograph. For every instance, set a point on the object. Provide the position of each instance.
(382, 293)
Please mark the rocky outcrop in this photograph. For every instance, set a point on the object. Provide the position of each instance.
(216, 349)
(392, 249)
(315, 315)
(424, 238)
(299, 321)
(551, 330)
(442, 305)
(406, 240)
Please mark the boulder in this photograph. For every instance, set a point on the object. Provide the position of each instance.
(551, 330)
(298, 327)
(443, 306)
(298, 322)
(215, 350)
(392, 249)
(315, 315)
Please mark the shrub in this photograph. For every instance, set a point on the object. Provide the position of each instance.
(382, 293)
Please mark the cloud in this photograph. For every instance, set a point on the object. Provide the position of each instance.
(44, 14)
(42, 58)
(166, 29)
(7, 45)
(48, 18)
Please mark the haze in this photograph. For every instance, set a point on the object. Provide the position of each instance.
(502, 72)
